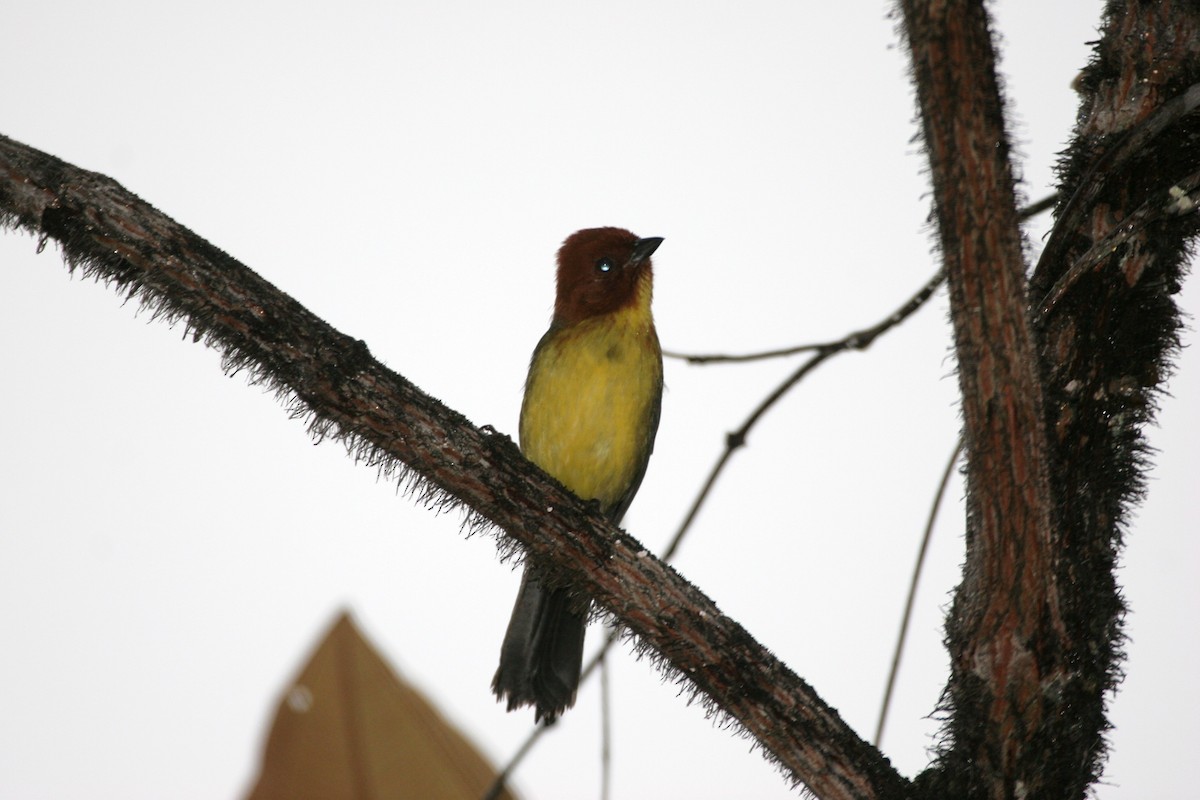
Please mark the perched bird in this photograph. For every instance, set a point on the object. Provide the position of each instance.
(591, 408)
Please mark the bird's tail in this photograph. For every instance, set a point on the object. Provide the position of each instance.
(542, 651)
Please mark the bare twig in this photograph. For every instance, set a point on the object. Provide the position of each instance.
(860, 340)
(1038, 207)
(726, 358)
(851, 342)
(1025, 213)
(497, 788)
(913, 584)
(605, 728)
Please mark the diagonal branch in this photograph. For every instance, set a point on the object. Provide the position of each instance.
(112, 235)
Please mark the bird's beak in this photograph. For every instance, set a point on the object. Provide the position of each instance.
(642, 249)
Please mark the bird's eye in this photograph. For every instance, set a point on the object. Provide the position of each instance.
(605, 264)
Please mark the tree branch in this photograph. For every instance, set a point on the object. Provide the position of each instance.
(1005, 625)
(1107, 326)
(390, 423)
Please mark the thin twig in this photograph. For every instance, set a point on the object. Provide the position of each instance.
(721, 358)
(912, 591)
(497, 788)
(1035, 208)
(605, 728)
(1028, 212)
(859, 340)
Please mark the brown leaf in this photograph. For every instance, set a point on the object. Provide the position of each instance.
(349, 727)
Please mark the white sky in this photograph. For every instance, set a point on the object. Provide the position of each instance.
(172, 544)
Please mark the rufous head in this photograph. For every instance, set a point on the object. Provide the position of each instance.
(600, 271)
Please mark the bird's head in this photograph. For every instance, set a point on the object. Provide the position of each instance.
(601, 270)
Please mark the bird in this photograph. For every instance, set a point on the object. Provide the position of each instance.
(593, 398)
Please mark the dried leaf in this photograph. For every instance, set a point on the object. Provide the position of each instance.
(349, 727)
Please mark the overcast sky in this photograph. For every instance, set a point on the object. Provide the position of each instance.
(172, 544)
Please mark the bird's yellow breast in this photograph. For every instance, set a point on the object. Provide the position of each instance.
(592, 401)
